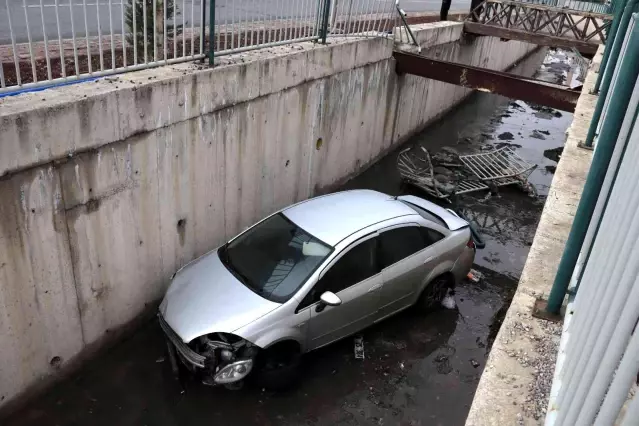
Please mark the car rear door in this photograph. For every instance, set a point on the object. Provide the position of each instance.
(406, 254)
(356, 279)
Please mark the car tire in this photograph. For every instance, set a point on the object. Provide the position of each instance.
(279, 369)
(432, 296)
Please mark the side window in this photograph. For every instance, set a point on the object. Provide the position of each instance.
(431, 236)
(356, 265)
(398, 244)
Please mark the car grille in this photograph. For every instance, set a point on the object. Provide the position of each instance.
(189, 354)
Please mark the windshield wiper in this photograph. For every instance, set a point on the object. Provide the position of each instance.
(226, 261)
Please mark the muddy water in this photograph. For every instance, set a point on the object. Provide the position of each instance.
(418, 369)
(507, 220)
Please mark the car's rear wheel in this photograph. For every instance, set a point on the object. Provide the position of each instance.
(432, 296)
(279, 367)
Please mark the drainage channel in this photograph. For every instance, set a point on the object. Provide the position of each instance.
(417, 370)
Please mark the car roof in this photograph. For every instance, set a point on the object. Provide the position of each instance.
(333, 217)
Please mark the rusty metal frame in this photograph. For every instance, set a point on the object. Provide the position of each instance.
(485, 80)
(539, 24)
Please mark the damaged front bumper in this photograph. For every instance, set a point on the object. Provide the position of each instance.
(189, 354)
(220, 362)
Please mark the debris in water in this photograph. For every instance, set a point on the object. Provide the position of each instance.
(359, 347)
(503, 144)
(551, 169)
(537, 135)
(486, 198)
(447, 173)
(161, 359)
(475, 276)
(554, 154)
(474, 363)
(545, 132)
(506, 136)
(448, 302)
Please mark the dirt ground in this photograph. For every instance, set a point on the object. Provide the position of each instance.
(418, 370)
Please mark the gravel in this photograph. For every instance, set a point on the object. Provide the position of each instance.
(545, 336)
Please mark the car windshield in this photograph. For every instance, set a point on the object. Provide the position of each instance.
(274, 258)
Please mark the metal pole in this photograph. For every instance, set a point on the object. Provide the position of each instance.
(211, 32)
(610, 41)
(610, 67)
(202, 26)
(605, 146)
(325, 16)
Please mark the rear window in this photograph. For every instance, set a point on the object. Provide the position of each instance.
(426, 214)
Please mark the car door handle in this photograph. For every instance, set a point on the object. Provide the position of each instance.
(375, 287)
(429, 259)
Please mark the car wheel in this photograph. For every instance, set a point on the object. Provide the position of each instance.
(432, 296)
(279, 368)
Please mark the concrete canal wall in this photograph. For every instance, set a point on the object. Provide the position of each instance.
(109, 186)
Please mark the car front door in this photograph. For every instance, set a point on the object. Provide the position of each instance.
(406, 256)
(356, 279)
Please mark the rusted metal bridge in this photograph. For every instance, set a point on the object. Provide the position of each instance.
(575, 24)
(540, 24)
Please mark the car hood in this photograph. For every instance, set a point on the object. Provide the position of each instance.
(205, 297)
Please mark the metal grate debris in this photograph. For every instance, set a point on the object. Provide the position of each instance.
(474, 172)
(498, 164)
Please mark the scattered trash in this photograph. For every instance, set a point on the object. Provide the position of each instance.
(359, 347)
(474, 363)
(475, 276)
(448, 302)
(161, 359)
(441, 358)
(401, 365)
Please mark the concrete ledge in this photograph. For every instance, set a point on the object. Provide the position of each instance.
(516, 382)
(147, 100)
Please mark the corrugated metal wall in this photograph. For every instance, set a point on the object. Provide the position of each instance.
(599, 359)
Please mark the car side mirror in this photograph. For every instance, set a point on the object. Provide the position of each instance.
(329, 298)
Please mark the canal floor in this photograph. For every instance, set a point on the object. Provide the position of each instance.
(418, 369)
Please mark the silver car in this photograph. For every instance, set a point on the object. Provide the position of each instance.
(309, 275)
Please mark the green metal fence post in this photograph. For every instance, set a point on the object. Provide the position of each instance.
(618, 9)
(325, 19)
(628, 73)
(614, 57)
(211, 32)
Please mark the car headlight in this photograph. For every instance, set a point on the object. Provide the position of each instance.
(234, 372)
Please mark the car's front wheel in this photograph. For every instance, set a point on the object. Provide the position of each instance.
(279, 366)
(432, 296)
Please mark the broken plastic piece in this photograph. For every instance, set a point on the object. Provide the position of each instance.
(475, 276)
(448, 302)
(359, 347)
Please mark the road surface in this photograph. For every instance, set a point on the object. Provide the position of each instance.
(108, 13)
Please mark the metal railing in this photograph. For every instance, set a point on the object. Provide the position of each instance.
(50, 42)
(580, 5)
(598, 363)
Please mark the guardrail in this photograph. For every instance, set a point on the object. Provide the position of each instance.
(51, 42)
(580, 5)
(598, 363)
